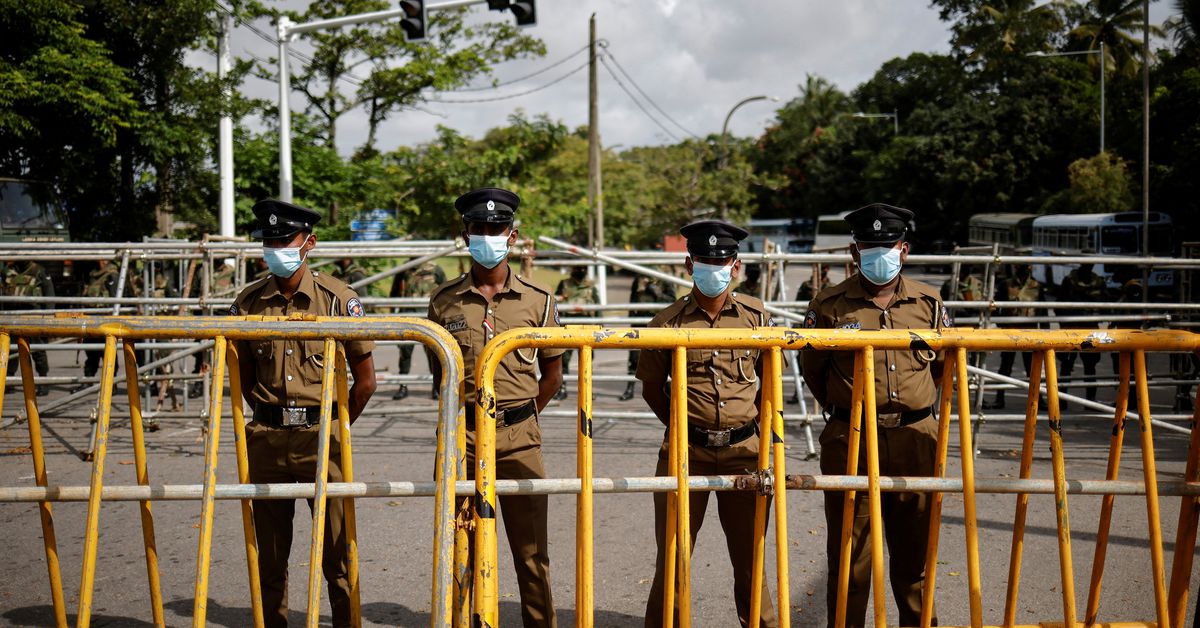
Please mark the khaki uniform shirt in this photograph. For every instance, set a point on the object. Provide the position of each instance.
(722, 385)
(458, 306)
(288, 372)
(904, 380)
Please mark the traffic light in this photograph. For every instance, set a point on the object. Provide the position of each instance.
(413, 21)
(524, 10)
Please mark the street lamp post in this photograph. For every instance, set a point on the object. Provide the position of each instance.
(1103, 66)
(725, 127)
(285, 30)
(894, 115)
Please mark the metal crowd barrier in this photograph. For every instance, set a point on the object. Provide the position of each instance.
(1170, 603)
(223, 331)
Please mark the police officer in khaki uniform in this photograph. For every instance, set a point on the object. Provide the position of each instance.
(281, 380)
(878, 297)
(487, 300)
(723, 398)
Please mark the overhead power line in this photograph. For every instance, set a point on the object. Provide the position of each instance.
(644, 94)
(468, 101)
(485, 88)
(635, 100)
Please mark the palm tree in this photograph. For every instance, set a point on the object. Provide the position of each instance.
(1185, 26)
(1005, 27)
(1117, 23)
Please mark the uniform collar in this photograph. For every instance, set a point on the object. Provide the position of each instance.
(691, 305)
(306, 285)
(855, 290)
(510, 283)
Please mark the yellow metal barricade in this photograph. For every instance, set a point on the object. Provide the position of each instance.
(1170, 606)
(225, 332)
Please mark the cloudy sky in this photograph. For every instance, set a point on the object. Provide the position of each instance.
(694, 58)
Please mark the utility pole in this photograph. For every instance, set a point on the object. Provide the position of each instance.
(225, 131)
(1145, 147)
(595, 194)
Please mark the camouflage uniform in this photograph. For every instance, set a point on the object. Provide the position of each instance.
(102, 282)
(420, 282)
(576, 290)
(645, 290)
(1021, 286)
(28, 279)
(351, 272)
(1081, 285)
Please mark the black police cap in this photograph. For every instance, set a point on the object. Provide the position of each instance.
(488, 205)
(713, 238)
(279, 219)
(878, 223)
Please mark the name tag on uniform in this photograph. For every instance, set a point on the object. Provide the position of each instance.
(850, 325)
(457, 323)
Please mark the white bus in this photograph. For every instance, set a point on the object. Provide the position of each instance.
(833, 232)
(1012, 231)
(1103, 234)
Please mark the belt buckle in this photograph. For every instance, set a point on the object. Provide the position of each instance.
(719, 439)
(500, 418)
(295, 417)
(889, 419)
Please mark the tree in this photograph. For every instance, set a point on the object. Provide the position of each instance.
(990, 35)
(1099, 185)
(389, 73)
(1116, 23)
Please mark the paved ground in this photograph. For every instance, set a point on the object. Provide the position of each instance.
(394, 442)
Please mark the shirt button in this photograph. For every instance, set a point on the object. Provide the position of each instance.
(293, 402)
(259, 351)
(718, 381)
(491, 312)
(891, 367)
(722, 404)
(289, 378)
(289, 352)
(894, 394)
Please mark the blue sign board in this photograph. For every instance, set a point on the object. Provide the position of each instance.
(371, 236)
(368, 225)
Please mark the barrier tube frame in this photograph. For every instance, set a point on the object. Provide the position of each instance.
(298, 327)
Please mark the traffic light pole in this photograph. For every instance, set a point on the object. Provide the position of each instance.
(285, 30)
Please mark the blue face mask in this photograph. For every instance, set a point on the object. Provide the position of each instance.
(879, 265)
(283, 262)
(489, 251)
(710, 279)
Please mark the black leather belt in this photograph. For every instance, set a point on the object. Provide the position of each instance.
(505, 418)
(884, 419)
(720, 438)
(278, 416)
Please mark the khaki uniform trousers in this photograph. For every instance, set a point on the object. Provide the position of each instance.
(908, 450)
(736, 511)
(290, 455)
(519, 457)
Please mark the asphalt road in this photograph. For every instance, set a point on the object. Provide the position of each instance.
(394, 441)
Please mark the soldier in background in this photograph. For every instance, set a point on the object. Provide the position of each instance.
(576, 289)
(102, 282)
(646, 290)
(1082, 285)
(163, 289)
(810, 288)
(752, 284)
(415, 283)
(349, 271)
(28, 279)
(1018, 286)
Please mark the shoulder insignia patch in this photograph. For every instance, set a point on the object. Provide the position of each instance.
(770, 321)
(947, 320)
(457, 323)
(233, 310)
(810, 319)
(557, 320)
(354, 307)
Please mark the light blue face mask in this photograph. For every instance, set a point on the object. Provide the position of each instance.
(879, 265)
(283, 262)
(488, 250)
(710, 279)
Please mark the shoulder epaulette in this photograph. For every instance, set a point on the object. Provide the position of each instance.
(447, 285)
(533, 284)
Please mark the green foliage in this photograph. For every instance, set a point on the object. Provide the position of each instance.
(1099, 185)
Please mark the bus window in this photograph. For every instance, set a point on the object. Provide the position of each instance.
(1161, 241)
(1119, 240)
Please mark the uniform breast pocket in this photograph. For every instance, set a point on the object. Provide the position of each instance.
(744, 363)
(312, 366)
(261, 350)
(697, 362)
(465, 344)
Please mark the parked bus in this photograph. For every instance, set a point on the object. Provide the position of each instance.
(1012, 231)
(793, 235)
(833, 232)
(1103, 234)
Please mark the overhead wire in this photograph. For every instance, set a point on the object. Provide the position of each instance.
(485, 88)
(635, 100)
(644, 94)
(468, 101)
